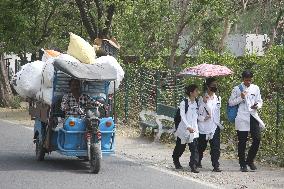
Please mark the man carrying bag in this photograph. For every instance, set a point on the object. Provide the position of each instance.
(247, 120)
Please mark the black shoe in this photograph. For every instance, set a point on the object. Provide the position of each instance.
(194, 169)
(217, 169)
(252, 166)
(244, 169)
(177, 164)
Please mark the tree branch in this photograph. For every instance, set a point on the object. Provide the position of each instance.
(46, 31)
(180, 28)
(86, 22)
(227, 28)
(189, 46)
(110, 12)
(100, 10)
(275, 27)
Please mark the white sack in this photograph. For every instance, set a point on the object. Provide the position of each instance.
(67, 57)
(120, 73)
(48, 74)
(27, 81)
(45, 95)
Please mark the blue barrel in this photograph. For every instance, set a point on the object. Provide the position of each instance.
(106, 137)
(74, 140)
(74, 124)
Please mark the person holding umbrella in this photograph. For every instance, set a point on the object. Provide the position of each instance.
(209, 123)
(209, 109)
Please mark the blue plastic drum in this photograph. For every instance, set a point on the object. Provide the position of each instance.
(74, 124)
(106, 124)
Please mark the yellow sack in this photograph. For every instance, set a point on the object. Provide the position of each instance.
(81, 49)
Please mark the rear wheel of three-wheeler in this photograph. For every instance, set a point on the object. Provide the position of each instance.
(95, 161)
(40, 151)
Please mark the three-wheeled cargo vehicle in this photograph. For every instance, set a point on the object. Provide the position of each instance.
(88, 135)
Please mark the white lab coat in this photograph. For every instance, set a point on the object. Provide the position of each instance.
(213, 107)
(188, 120)
(242, 121)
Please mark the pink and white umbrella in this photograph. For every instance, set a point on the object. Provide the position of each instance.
(206, 70)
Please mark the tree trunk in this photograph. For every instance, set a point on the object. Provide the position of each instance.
(96, 27)
(90, 27)
(182, 57)
(227, 29)
(190, 44)
(275, 27)
(182, 23)
(5, 89)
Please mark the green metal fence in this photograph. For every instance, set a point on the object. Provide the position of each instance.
(143, 88)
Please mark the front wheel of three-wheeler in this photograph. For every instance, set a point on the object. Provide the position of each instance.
(40, 151)
(95, 161)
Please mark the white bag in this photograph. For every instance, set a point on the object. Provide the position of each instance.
(48, 73)
(120, 73)
(45, 95)
(68, 58)
(27, 81)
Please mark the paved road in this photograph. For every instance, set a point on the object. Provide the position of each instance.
(20, 170)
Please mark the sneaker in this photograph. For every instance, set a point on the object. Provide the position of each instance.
(244, 169)
(252, 166)
(217, 169)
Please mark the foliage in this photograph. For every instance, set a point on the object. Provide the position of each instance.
(29, 25)
(268, 75)
(16, 102)
(144, 27)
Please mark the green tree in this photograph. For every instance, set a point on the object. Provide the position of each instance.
(96, 16)
(29, 25)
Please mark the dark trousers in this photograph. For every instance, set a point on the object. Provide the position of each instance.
(243, 137)
(179, 149)
(214, 147)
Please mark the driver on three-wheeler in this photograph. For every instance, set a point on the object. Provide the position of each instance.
(71, 102)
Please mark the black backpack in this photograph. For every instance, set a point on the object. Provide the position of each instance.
(177, 118)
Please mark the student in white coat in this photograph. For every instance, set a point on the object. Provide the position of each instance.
(187, 131)
(247, 119)
(209, 123)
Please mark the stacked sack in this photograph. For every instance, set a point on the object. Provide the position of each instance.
(120, 73)
(35, 79)
(27, 81)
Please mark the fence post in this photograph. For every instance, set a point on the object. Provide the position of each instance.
(140, 75)
(158, 83)
(126, 93)
(175, 88)
(279, 96)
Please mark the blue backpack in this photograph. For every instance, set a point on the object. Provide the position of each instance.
(232, 111)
